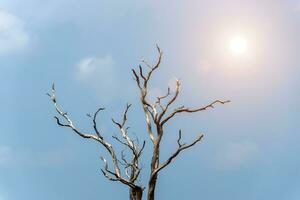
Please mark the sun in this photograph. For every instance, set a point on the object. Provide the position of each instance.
(238, 45)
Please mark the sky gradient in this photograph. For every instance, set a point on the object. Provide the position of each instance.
(250, 149)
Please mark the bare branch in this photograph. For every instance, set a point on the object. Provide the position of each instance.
(172, 100)
(152, 112)
(141, 73)
(153, 68)
(156, 113)
(123, 130)
(158, 102)
(107, 176)
(129, 143)
(95, 123)
(144, 89)
(96, 137)
(125, 114)
(106, 172)
(141, 150)
(59, 123)
(163, 97)
(180, 148)
(123, 157)
(137, 79)
(179, 138)
(188, 110)
(120, 141)
(149, 126)
(147, 64)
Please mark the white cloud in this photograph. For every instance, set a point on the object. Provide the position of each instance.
(102, 75)
(12, 33)
(91, 67)
(236, 155)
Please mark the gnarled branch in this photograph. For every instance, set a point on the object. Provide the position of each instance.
(156, 113)
(109, 174)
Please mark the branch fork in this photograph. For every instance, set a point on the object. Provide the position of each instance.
(127, 169)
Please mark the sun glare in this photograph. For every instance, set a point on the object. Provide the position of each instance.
(238, 45)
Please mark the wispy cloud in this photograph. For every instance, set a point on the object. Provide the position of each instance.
(102, 75)
(91, 67)
(236, 155)
(13, 36)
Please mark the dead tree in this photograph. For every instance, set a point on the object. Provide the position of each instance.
(157, 115)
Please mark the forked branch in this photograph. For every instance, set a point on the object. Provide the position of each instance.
(126, 169)
(192, 110)
(159, 113)
(180, 148)
(115, 174)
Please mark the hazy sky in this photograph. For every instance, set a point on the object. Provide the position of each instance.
(251, 146)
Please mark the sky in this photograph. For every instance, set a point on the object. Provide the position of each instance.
(250, 149)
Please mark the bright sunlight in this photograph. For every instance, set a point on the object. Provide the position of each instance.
(238, 45)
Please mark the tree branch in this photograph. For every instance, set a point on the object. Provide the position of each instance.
(123, 130)
(172, 100)
(188, 110)
(136, 152)
(157, 113)
(180, 148)
(95, 123)
(98, 137)
(117, 177)
(144, 89)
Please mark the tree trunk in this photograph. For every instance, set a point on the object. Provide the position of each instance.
(136, 193)
(154, 165)
(151, 188)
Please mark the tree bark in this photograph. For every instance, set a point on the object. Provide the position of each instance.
(136, 193)
(151, 187)
(154, 166)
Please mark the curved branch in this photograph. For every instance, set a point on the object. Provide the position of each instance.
(97, 138)
(144, 89)
(123, 130)
(188, 110)
(180, 148)
(171, 101)
(95, 123)
(106, 173)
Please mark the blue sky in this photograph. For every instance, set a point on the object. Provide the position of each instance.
(87, 48)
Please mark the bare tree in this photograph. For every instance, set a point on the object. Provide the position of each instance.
(157, 114)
